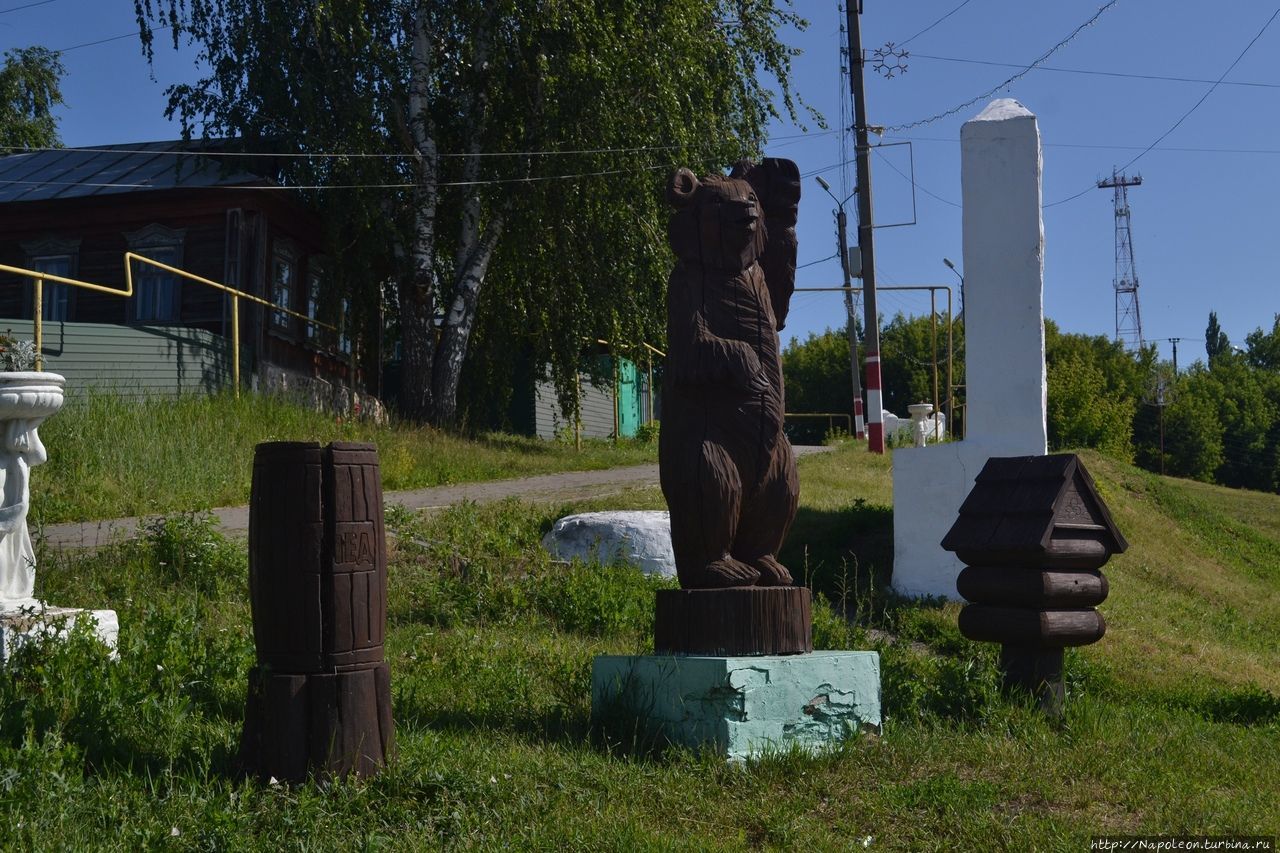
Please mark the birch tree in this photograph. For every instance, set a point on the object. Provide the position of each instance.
(29, 90)
(504, 158)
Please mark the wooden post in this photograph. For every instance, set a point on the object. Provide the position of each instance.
(319, 700)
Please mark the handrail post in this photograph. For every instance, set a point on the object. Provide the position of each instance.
(951, 388)
(235, 344)
(933, 353)
(37, 318)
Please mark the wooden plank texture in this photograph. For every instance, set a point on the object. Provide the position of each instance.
(733, 621)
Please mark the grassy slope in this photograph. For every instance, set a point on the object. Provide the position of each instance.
(110, 458)
(1172, 724)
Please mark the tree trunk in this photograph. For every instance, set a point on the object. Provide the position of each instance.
(417, 292)
(475, 249)
(459, 323)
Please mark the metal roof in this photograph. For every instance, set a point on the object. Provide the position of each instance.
(112, 169)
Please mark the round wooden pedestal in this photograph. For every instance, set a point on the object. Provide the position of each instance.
(749, 620)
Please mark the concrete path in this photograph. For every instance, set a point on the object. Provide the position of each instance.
(544, 488)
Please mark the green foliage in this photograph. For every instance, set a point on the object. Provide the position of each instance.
(611, 94)
(1263, 348)
(1216, 342)
(817, 369)
(15, 354)
(1094, 390)
(1193, 434)
(189, 549)
(816, 372)
(471, 564)
(29, 90)
(909, 359)
(648, 433)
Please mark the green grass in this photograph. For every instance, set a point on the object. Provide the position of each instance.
(1171, 725)
(111, 457)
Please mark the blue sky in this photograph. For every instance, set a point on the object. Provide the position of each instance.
(1205, 221)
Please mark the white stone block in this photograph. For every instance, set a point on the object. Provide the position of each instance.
(640, 538)
(1004, 341)
(1003, 279)
(30, 623)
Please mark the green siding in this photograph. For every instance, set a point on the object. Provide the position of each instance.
(135, 360)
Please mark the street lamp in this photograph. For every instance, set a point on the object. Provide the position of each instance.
(850, 327)
(960, 276)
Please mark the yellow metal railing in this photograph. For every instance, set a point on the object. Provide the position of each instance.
(37, 313)
(831, 417)
(39, 278)
(236, 296)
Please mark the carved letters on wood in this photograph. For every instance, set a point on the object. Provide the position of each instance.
(727, 470)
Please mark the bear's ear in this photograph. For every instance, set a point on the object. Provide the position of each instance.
(681, 187)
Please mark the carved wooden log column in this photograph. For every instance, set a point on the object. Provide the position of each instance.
(319, 699)
(1033, 534)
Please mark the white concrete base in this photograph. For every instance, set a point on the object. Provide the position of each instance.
(929, 484)
(640, 538)
(37, 620)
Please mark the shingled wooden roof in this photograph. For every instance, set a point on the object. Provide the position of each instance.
(1018, 502)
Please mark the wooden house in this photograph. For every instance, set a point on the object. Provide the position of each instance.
(75, 212)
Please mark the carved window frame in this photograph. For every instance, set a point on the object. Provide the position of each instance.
(157, 295)
(284, 257)
(58, 299)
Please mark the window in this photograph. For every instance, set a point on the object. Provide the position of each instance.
(54, 297)
(157, 293)
(282, 273)
(316, 281)
(56, 257)
(344, 325)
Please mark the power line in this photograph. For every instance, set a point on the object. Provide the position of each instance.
(27, 6)
(1120, 74)
(988, 93)
(105, 40)
(1188, 113)
(322, 155)
(1104, 147)
(934, 24)
(819, 261)
(914, 183)
(406, 185)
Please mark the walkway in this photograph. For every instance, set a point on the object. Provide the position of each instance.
(544, 488)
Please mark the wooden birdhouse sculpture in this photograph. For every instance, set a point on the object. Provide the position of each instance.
(1033, 534)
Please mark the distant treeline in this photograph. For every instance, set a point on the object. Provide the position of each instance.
(1216, 419)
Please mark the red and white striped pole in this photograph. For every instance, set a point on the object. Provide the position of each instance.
(875, 402)
(859, 424)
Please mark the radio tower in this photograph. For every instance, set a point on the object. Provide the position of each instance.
(1128, 319)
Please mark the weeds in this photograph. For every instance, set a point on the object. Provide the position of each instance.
(111, 455)
(490, 645)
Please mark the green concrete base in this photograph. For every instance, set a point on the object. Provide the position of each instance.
(742, 706)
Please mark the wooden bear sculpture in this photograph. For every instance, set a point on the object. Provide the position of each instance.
(727, 470)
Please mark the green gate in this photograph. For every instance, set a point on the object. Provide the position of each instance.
(628, 401)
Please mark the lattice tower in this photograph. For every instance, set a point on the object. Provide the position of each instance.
(1128, 317)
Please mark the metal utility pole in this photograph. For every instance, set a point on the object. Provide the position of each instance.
(860, 430)
(1128, 318)
(862, 152)
(851, 328)
(1174, 341)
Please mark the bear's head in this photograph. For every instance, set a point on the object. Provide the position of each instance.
(718, 222)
